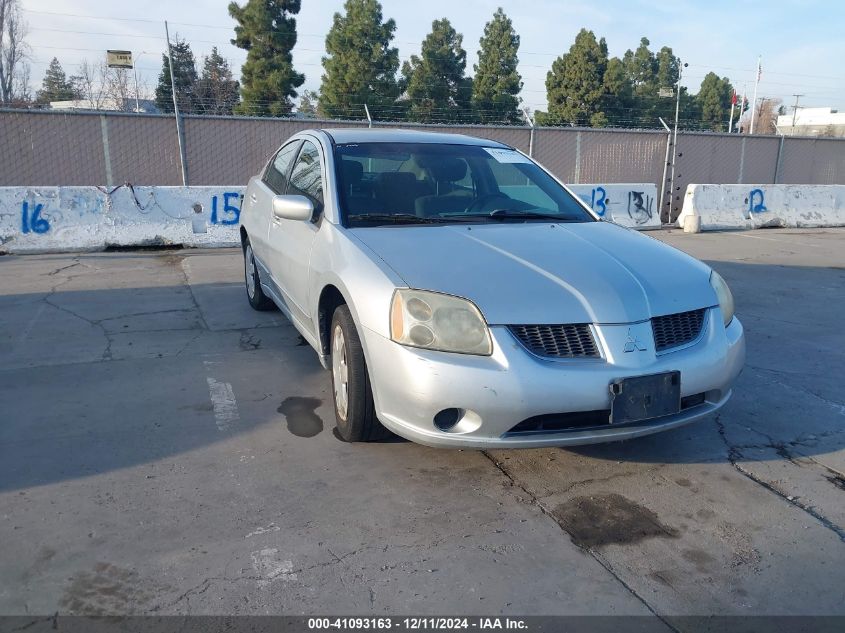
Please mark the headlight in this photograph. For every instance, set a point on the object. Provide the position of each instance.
(723, 293)
(436, 321)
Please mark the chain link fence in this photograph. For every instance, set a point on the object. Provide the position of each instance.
(108, 148)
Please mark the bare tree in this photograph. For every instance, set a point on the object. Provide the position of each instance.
(91, 84)
(119, 89)
(103, 88)
(14, 69)
(766, 116)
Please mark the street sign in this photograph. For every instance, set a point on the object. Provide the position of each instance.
(665, 92)
(119, 59)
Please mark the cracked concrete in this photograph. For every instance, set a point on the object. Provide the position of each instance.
(119, 494)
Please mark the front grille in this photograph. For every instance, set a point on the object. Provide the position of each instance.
(584, 420)
(555, 422)
(674, 330)
(557, 341)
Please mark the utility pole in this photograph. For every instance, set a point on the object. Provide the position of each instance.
(182, 158)
(665, 167)
(794, 113)
(756, 83)
(675, 137)
(531, 133)
(733, 105)
(135, 72)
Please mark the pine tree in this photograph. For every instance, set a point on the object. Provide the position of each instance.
(574, 85)
(497, 83)
(56, 86)
(618, 97)
(434, 82)
(714, 101)
(184, 76)
(648, 74)
(361, 65)
(216, 91)
(667, 69)
(267, 32)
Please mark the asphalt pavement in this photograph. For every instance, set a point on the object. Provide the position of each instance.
(164, 449)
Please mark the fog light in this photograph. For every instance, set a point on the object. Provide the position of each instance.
(447, 418)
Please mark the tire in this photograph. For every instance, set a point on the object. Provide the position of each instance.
(257, 299)
(352, 394)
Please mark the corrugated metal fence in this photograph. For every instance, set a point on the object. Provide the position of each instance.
(107, 148)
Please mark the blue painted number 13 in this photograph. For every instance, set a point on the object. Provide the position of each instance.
(600, 202)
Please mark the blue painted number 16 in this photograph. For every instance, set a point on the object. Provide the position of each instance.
(33, 222)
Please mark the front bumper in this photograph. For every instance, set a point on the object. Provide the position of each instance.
(410, 386)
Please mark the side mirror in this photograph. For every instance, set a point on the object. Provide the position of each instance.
(293, 208)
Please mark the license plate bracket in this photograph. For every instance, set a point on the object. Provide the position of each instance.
(643, 397)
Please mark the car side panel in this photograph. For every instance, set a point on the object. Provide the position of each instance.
(255, 215)
(366, 282)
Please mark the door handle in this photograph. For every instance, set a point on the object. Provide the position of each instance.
(253, 198)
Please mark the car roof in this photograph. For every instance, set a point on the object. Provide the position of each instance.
(368, 135)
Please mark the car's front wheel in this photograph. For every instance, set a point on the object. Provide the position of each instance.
(257, 299)
(353, 397)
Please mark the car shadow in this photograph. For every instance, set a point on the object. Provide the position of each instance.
(90, 386)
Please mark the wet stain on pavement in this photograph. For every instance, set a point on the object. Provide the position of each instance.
(108, 590)
(837, 480)
(248, 342)
(301, 416)
(609, 519)
(698, 557)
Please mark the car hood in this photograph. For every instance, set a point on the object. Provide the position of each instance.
(532, 273)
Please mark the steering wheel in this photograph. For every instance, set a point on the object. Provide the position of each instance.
(481, 201)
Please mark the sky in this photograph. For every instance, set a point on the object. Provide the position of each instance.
(800, 41)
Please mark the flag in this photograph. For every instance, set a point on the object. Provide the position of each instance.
(733, 98)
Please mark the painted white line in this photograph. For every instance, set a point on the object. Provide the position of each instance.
(772, 239)
(264, 530)
(267, 564)
(31, 324)
(224, 403)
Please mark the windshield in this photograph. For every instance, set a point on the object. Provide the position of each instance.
(428, 183)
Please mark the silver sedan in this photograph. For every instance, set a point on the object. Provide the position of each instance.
(462, 296)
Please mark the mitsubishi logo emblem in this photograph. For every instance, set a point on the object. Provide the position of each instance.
(633, 343)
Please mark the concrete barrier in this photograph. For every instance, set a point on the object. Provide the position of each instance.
(62, 219)
(50, 219)
(714, 207)
(628, 204)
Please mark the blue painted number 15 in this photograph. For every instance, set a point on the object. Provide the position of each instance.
(230, 213)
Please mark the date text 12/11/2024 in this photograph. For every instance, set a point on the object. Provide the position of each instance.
(429, 623)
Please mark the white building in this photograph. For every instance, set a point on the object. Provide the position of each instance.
(813, 122)
(106, 103)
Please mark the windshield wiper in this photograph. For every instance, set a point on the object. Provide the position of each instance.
(509, 214)
(396, 218)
